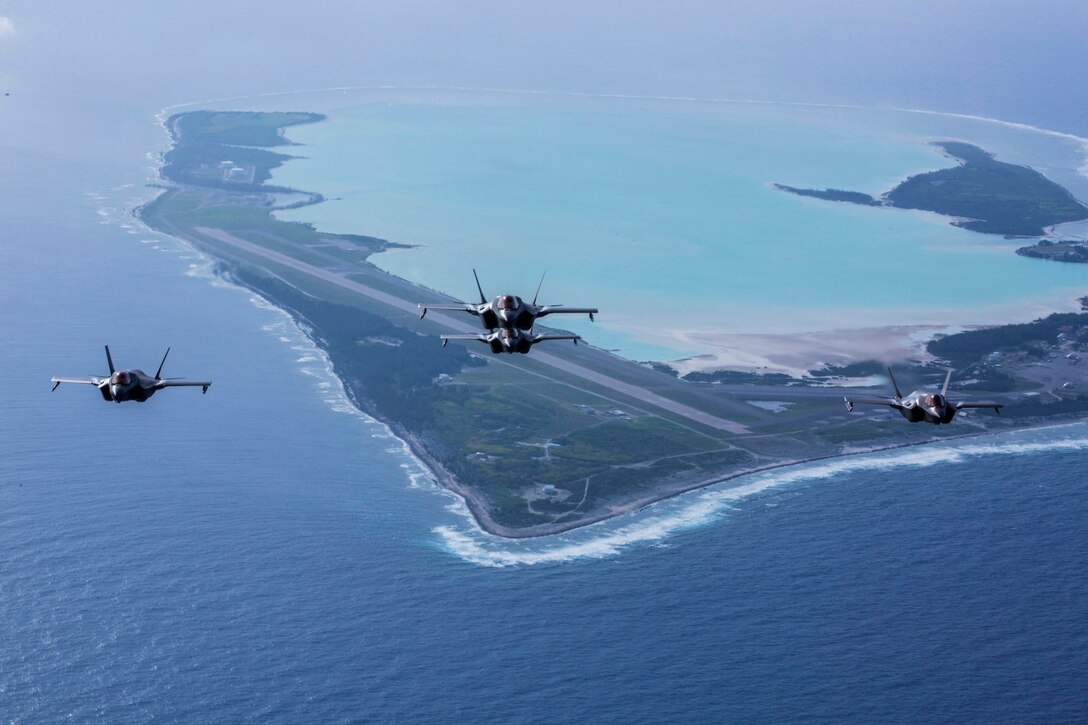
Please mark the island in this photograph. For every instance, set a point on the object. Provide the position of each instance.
(565, 436)
(1065, 250)
(853, 197)
(981, 194)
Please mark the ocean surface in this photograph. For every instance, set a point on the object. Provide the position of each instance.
(264, 553)
(663, 212)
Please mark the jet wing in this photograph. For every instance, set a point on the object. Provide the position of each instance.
(979, 404)
(83, 381)
(205, 384)
(892, 402)
(478, 338)
(462, 307)
(541, 338)
(548, 310)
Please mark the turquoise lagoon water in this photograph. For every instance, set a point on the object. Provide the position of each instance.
(662, 213)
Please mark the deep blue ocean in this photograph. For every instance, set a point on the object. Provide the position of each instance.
(262, 553)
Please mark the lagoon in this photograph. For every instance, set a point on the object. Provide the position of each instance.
(662, 213)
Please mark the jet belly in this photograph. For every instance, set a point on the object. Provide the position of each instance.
(524, 320)
(140, 394)
(913, 413)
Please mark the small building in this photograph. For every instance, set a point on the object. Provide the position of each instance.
(237, 174)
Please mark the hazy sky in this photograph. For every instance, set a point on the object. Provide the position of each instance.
(1011, 59)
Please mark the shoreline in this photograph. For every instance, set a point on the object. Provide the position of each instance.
(477, 505)
(798, 354)
(1017, 125)
(606, 505)
(656, 338)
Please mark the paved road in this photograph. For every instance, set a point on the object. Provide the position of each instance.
(550, 360)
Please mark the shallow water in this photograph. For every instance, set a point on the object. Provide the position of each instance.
(662, 213)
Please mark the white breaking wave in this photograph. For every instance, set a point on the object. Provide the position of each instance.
(311, 359)
(314, 362)
(666, 518)
(660, 521)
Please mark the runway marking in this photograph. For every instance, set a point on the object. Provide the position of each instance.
(548, 359)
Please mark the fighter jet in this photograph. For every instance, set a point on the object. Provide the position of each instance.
(921, 406)
(507, 311)
(122, 385)
(510, 340)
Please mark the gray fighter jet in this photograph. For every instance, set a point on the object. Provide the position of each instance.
(510, 340)
(507, 311)
(921, 406)
(122, 385)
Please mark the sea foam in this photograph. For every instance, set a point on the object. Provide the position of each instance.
(313, 362)
(653, 525)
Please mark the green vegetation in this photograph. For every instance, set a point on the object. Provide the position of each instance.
(736, 377)
(505, 432)
(854, 197)
(966, 348)
(1040, 406)
(996, 198)
(623, 442)
(215, 149)
(236, 128)
(985, 195)
(1063, 251)
(535, 448)
(480, 431)
(986, 378)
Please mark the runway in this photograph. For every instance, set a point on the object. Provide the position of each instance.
(553, 361)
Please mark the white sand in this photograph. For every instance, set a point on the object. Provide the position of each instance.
(797, 353)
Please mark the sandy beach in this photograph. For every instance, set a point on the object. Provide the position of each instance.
(797, 354)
